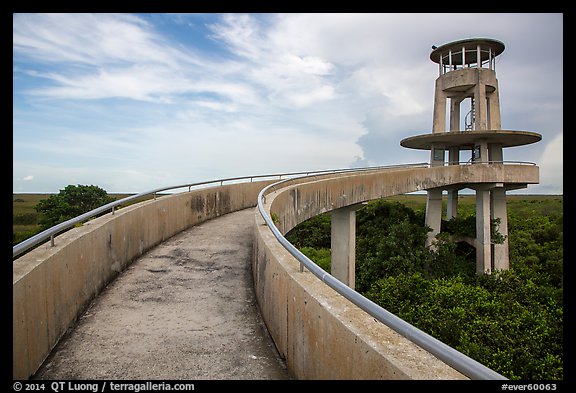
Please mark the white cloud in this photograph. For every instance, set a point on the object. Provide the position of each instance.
(551, 165)
(28, 178)
(278, 92)
(286, 75)
(306, 98)
(241, 34)
(135, 82)
(109, 55)
(92, 39)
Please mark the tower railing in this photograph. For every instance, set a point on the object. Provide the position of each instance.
(447, 61)
(472, 162)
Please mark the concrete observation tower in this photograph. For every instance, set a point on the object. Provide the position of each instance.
(467, 75)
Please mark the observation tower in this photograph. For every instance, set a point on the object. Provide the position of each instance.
(472, 137)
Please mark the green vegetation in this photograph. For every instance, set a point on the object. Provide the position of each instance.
(70, 202)
(510, 321)
(275, 219)
(24, 216)
(32, 213)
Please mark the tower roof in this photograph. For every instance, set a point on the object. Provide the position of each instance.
(470, 46)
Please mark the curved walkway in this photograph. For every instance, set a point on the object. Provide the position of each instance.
(186, 310)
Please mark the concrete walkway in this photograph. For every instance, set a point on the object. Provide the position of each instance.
(186, 310)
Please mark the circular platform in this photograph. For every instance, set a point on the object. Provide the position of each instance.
(467, 139)
(470, 44)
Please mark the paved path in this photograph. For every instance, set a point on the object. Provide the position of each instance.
(186, 310)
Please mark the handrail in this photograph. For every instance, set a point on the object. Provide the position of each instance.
(32, 241)
(471, 162)
(460, 362)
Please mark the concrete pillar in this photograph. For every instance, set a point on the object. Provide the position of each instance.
(494, 109)
(439, 118)
(433, 214)
(495, 152)
(455, 113)
(501, 252)
(453, 155)
(483, 241)
(343, 244)
(452, 205)
(481, 107)
(483, 150)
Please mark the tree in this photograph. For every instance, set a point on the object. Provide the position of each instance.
(70, 202)
(511, 321)
(314, 232)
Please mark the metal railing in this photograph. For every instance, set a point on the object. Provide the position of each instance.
(52, 232)
(457, 360)
(472, 162)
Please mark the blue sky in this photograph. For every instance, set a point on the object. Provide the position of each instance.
(134, 102)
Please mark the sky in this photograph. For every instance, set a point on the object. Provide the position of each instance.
(136, 102)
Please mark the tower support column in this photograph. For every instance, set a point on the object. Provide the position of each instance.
(483, 241)
(343, 244)
(452, 203)
(499, 211)
(440, 97)
(481, 107)
(494, 110)
(455, 113)
(433, 213)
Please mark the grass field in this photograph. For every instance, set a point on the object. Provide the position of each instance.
(547, 204)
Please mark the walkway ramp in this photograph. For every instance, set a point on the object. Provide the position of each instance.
(186, 310)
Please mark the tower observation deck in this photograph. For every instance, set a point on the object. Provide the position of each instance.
(467, 79)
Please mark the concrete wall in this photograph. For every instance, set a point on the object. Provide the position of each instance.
(53, 285)
(320, 333)
(454, 80)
